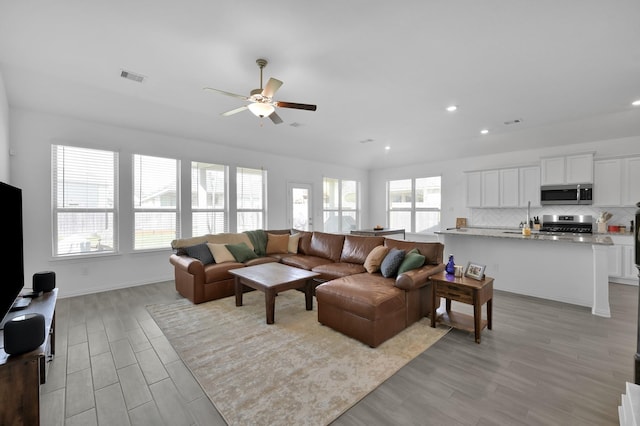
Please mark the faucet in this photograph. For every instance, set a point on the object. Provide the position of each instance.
(528, 224)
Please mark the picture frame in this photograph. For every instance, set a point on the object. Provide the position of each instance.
(475, 271)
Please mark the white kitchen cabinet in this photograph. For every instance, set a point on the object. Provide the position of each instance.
(576, 168)
(628, 263)
(630, 181)
(491, 188)
(622, 268)
(552, 170)
(615, 261)
(616, 182)
(474, 189)
(608, 180)
(529, 186)
(512, 187)
(579, 168)
(509, 187)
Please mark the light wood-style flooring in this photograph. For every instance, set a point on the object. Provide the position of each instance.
(544, 363)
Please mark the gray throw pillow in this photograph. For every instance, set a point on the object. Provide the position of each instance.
(200, 252)
(391, 263)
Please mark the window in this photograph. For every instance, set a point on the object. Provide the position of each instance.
(250, 184)
(414, 204)
(208, 198)
(341, 205)
(155, 202)
(84, 194)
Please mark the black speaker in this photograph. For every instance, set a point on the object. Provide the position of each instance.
(23, 333)
(44, 281)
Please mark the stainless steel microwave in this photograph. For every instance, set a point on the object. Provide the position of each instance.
(566, 194)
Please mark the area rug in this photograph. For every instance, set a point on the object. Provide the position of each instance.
(293, 372)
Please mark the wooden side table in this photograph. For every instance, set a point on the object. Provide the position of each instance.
(464, 290)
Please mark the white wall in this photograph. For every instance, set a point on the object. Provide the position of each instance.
(4, 134)
(454, 191)
(32, 134)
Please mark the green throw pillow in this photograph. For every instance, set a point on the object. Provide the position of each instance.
(241, 252)
(411, 261)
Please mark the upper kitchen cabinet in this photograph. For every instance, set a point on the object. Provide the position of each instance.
(474, 189)
(495, 188)
(491, 188)
(509, 190)
(568, 169)
(529, 186)
(607, 190)
(630, 181)
(615, 180)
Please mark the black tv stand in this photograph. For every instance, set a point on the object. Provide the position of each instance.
(20, 303)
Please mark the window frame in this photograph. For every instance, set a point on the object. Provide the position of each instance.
(135, 210)
(340, 210)
(224, 210)
(412, 209)
(262, 209)
(56, 210)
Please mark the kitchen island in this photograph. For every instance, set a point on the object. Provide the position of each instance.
(565, 268)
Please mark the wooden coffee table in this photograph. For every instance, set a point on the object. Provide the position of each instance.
(272, 278)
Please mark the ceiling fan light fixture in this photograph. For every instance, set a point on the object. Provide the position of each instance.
(260, 109)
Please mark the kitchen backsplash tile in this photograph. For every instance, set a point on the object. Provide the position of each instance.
(511, 218)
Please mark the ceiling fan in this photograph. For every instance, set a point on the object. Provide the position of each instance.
(262, 103)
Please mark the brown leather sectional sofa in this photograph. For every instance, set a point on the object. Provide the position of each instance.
(363, 305)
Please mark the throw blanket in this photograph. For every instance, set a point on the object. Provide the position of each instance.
(259, 240)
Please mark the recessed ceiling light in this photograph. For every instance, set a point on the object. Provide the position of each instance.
(636, 103)
(484, 131)
(387, 148)
(452, 108)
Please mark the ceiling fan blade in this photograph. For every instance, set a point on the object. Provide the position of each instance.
(233, 111)
(272, 87)
(226, 93)
(294, 105)
(275, 118)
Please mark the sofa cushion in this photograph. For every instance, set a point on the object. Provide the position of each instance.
(277, 243)
(293, 242)
(356, 248)
(369, 296)
(221, 253)
(330, 271)
(374, 259)
(241, 252)
(391, 262)
(303, 261)
(200, 252)
(326, 245)
(304, 244)
(220, 271)
(412, 260)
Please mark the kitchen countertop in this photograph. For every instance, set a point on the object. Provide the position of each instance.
(516, 234)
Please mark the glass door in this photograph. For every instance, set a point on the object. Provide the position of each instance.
(299, 211)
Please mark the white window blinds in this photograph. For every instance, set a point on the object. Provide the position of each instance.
(84, 200)
(250, 198)
(155, 202)
(208, 198)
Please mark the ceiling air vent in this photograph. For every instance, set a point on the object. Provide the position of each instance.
(138, 78)
(516, 121)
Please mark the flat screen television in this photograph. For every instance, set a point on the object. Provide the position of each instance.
(12, 278)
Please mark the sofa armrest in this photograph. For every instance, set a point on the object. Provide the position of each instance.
(417, 278)
(188, 264)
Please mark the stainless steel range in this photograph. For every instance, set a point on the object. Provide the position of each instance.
(574, 224)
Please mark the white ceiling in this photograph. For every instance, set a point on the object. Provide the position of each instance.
(384, 71)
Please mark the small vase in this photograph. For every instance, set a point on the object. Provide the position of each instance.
(451, 266)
